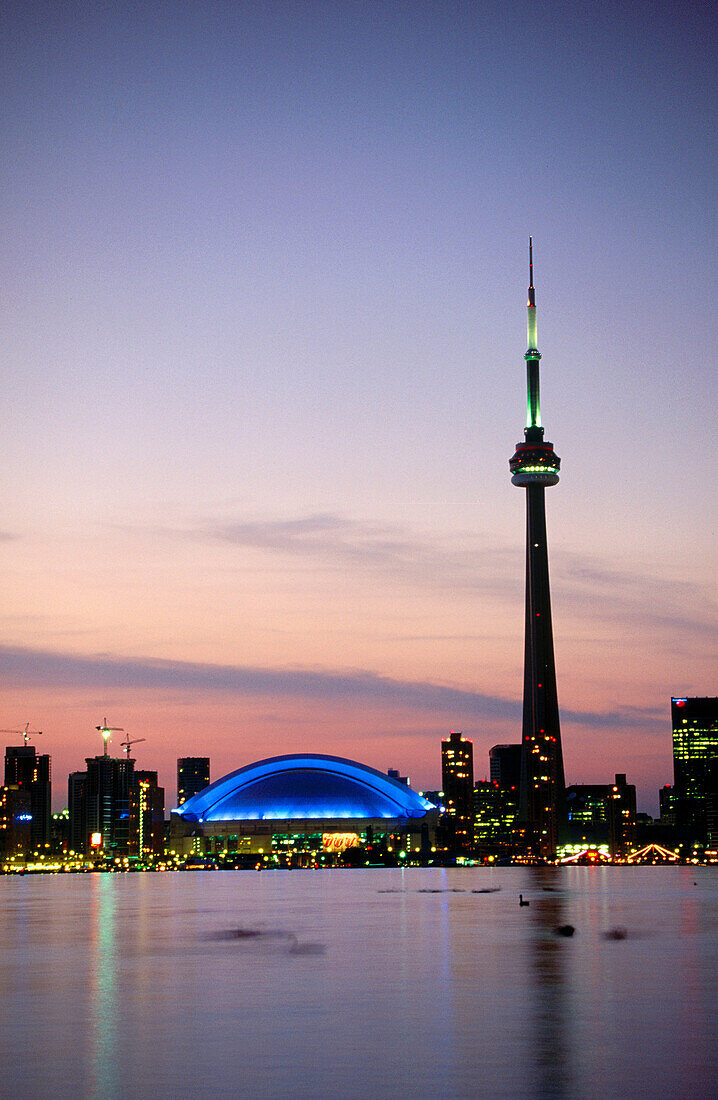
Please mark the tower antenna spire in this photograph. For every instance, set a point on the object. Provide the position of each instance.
(532, 299)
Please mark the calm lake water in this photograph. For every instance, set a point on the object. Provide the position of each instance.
(366, 983)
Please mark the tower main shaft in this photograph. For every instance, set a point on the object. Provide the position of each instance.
(535, 466)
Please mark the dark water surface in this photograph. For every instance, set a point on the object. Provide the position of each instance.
(367, 983)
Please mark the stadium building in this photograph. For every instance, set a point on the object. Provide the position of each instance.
(294, 807)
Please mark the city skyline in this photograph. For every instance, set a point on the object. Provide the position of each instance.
(263, 283)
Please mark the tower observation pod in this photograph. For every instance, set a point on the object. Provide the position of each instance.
(535, 466)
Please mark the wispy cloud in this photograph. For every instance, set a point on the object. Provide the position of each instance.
(337, 542)
(652, 601)
(45, 668)
(467, 562)
(459, 561)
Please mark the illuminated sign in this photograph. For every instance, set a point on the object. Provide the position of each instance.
(23, 817)
(339, 842)
(96, 840)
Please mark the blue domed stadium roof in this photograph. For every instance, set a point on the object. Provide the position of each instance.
(308, 788)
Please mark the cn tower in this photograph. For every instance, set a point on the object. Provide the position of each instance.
(535, 466)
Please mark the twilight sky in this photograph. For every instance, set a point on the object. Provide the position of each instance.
(263, 319)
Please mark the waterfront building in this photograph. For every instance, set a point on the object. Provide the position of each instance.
(147, 816)
(192, 776)
(99, 805)
(667, 805)
(695, 751)
(505, 767)
(534, 467)
(15, 821)
(489, 817)
(712, 810)
(623, 800)
(301, 803)
(602, 815)
(457, 780)
(77, 812)
(60, 832)
(26, 768)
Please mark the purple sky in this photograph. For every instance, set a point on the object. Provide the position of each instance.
(263, 289)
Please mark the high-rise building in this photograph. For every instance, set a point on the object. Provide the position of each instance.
(457, 778)
(147, 815)
(534, 467)
(623, 797)
(25, 768)
(77, 810)
(489, 806)
(60, 833)
(192, 776)
(505, 768)
(602, 814)
(695, 751)
(667, 805)
(107, 803)
(712, 809)
(15, 821)
(505, 772)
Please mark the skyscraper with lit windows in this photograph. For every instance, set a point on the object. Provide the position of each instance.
(32, 771)
(107, 802)
(192, 777)
(695, 761)
(457, 780)
(147, 815)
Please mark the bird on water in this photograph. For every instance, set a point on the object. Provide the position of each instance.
(521, 900)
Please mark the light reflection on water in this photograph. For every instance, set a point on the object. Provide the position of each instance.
(103, 1022)
(548, 1020)
(360, 984)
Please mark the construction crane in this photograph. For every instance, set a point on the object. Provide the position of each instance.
(106, 730)
(127, 745)
(27, 733)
